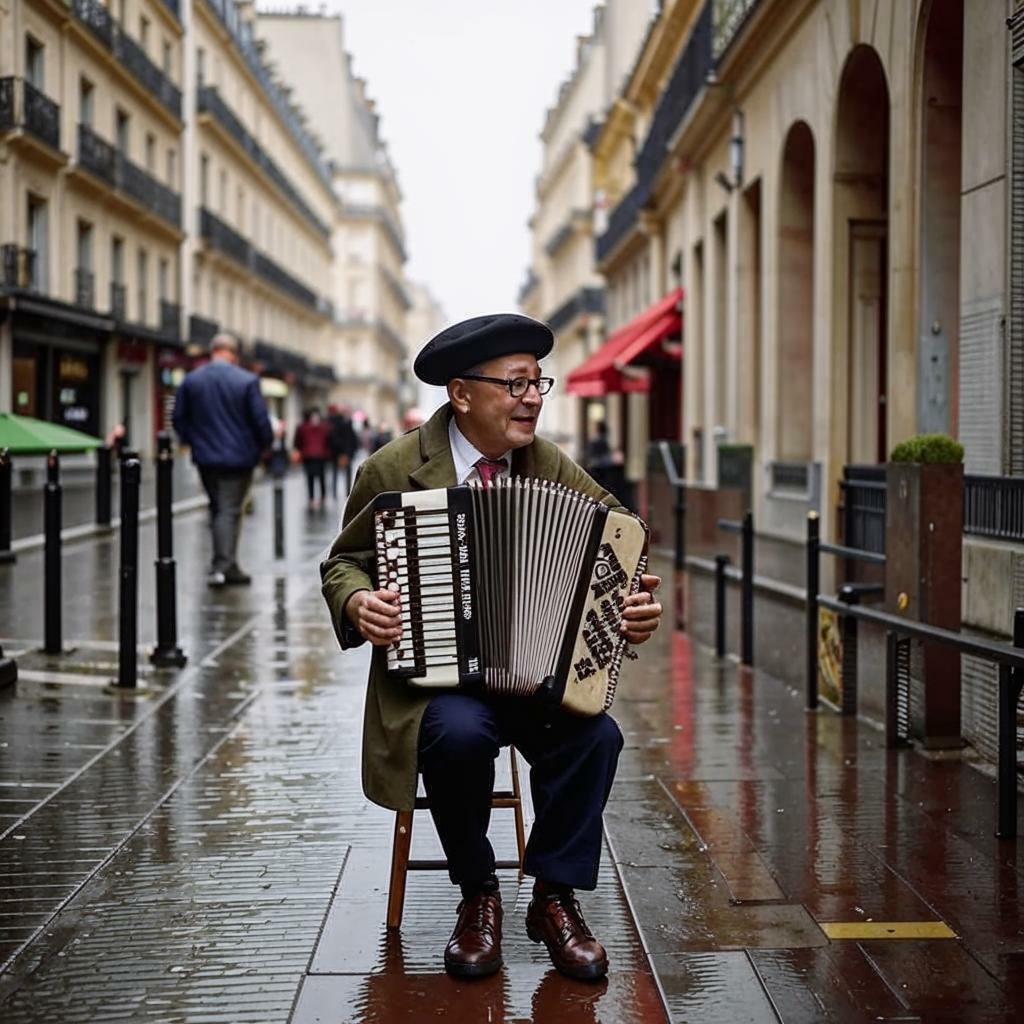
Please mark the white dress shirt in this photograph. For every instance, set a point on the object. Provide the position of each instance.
(466, 456)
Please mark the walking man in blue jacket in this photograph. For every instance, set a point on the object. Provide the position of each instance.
(219, 411)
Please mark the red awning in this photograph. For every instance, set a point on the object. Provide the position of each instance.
(603, 372)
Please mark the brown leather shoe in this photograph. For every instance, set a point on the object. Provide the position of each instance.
(556, 920)
(474, 950)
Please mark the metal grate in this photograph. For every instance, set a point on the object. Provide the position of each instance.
(902, 694)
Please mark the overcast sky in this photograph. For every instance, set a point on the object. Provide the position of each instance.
(461, 87)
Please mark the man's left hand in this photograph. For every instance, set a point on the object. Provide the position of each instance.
(641, 613)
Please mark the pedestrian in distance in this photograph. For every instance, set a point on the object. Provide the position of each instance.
(313, 444)
(487, 428)
(344, 445)
(220, 413)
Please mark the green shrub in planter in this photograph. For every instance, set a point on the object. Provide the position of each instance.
(928, 448)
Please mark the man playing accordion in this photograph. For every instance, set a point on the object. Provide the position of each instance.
(487, 429)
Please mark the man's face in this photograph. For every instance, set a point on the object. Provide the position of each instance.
(494, 420)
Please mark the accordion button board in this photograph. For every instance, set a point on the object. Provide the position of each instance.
(516, 588)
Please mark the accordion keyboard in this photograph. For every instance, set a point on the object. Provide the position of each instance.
(415, 561)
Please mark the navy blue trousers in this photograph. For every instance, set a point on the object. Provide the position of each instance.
(572, 764)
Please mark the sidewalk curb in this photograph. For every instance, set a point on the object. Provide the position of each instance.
(87, 531)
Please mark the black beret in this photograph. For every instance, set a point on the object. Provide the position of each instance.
(477, 340)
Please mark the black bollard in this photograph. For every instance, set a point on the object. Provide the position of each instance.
(278, 518)
(747, 592)
(127, 653)
(6, 554)
(721, 561)
(52, 641)
(104, 484)
(167, 653)
(811, 681)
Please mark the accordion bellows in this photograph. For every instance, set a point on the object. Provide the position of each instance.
(516, 588)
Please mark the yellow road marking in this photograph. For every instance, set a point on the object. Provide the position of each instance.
(887, 930)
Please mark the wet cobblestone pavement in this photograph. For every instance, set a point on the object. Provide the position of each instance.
(205, 853)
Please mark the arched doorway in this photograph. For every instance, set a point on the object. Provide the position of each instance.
(941, 94)
(796, 297)
(861, 196)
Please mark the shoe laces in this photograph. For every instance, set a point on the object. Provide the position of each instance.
(480, 912)
(571, 923)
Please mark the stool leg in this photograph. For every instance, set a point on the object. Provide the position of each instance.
(399, 867)
(517, 810)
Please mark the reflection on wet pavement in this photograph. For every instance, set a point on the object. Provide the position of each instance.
(205, 853)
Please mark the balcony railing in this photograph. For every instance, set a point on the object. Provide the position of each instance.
(586, 300)
(85, 288)
(241, 33)
(145, 189)
(200, 330)
(22, 105)
(209, 100)
(170, 318)
(687, 80)
(729, 16)
(994, 507)
(277, 359)
(18, 265)
(224, 238)
(228, 241)
(118, 300)
(96, 155)
(97, 18)
(280, 278)
(99, 157)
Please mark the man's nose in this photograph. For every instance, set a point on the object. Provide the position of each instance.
(532, 397)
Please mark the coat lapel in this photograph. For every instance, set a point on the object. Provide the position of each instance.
(438, 467)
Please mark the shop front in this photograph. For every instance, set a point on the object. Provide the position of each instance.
(633, 383)
(56, 369)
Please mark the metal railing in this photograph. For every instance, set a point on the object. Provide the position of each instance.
(729, 17)
(210, 101)
(118, 300)
(98, 19)
(586, 300)
(170, 318)
(687, 80)
(789, 476)
(101, 158)
(241, 33)
(281, 279)
(200, 330)
(864, 489)
(18, 265)
(24, 106)
(994, 507)
(223, 237)
(85, 288)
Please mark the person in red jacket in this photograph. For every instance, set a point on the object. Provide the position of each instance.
(313, 443)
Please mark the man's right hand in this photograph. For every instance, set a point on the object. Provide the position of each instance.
(375, 613)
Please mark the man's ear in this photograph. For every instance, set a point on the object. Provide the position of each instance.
(458, 395)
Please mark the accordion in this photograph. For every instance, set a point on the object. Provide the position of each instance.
(516, 588)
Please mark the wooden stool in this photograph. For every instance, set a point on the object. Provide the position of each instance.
(401, 864)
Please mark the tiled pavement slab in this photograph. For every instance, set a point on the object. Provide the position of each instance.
(212, 857)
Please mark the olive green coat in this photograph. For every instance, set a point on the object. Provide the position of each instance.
(419, 460)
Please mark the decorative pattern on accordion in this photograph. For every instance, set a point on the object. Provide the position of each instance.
(517, 587)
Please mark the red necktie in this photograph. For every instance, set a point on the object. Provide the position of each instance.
(489, 469)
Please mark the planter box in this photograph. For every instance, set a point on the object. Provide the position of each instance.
(924, 541)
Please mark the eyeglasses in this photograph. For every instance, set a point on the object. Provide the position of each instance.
(517, 386)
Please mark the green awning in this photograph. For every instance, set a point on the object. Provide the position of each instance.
(25, 435)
